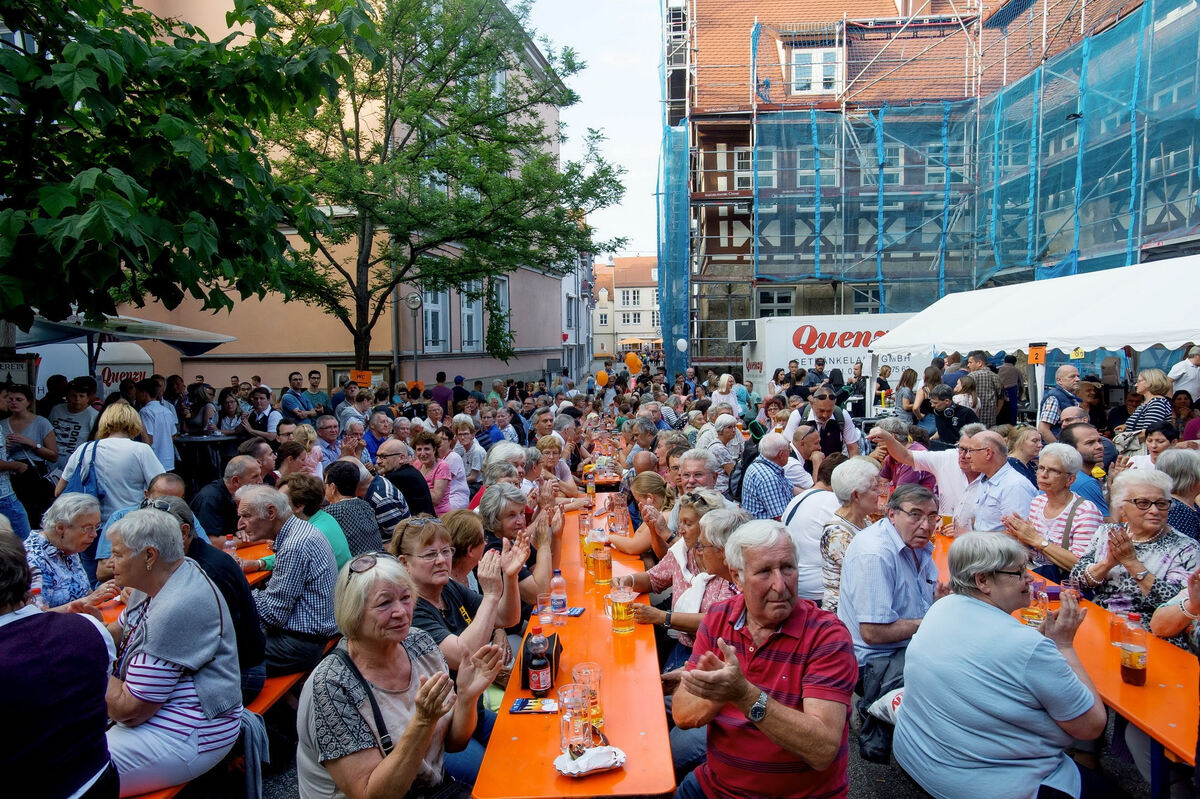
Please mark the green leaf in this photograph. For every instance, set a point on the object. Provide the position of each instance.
(71, 80)
(56, 198)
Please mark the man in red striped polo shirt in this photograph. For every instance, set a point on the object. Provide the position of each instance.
(772, 676)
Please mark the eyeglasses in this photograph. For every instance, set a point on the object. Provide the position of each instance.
(969, 450)
(701, 547)
(1048, 470)
(157, 504)
(920, 516)
(366, 562)
(430, 557)
(822, 396)
(1023, 574)
(1144, 504)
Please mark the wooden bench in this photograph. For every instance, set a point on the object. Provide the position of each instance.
(274, 689)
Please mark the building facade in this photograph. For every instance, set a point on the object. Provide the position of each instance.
(626, 315)
(873, 155)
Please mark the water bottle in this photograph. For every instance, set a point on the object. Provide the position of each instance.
(1116, 628)
(36, 599)
(558, 598)
(230, 547)
(537, 667)
(1133, 652)
(591, 488)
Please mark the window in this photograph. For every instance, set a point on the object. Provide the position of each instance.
(472, 317)
(634, 318)
(603, 320)
(743, 168)
(570, 312)
(437, 320)
(893, 168)
(806, 174)
(774, 302)
(654, 318)
(500, 288)
(864, 299)
(937, 161)
(655, 303)
(631, 298)
(816, 70)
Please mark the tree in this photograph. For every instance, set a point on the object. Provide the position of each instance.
(127, 143)
(436, 165)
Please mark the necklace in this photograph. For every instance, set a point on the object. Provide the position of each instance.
(1154, 537)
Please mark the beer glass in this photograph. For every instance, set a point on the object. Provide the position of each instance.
(618, 605)
(602, 564)
(574, 719)
(588, 675)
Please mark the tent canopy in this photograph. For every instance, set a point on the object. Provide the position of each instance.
(187, 340)
(1136, 306)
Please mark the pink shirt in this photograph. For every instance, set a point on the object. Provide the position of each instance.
(440, 471)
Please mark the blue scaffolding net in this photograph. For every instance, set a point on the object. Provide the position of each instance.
(673, 244)
(1080, 165)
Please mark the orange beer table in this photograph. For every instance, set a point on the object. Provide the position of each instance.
(520, 755)
(113, 607)
(1165, 708)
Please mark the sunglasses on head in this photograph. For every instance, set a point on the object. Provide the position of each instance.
(367, 561)
(822, 396)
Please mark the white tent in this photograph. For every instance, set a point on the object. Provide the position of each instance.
(1136, 306)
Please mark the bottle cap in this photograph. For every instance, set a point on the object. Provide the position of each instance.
(1135, 617)
(536, 630)
(558, 571)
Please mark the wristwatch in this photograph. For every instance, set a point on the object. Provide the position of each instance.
(1139, 576)
(1045, 543)
(758, 711)
(667, 620)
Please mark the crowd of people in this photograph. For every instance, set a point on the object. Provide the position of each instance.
(788, 561)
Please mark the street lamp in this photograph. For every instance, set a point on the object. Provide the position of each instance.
(413, 301)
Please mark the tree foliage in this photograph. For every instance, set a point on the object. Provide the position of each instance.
(435, 163)
(129, 150)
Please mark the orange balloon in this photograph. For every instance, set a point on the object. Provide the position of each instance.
(633, 362)
(602, 378)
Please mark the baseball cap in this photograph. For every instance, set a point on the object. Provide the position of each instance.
(458, 378)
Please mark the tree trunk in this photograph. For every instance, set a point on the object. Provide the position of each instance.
(362, 347)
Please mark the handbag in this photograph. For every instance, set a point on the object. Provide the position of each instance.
(86, 480)
(1129, 443)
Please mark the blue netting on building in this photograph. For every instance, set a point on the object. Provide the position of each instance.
(1075, 167)
(673, 243)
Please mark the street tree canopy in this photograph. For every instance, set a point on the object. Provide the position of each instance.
(436, 164)
(129, 153)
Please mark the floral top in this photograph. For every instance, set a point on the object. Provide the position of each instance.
(1170, 557)
(61, 577)
(1191, 633)
(835, 538)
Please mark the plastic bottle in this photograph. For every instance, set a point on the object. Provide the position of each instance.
(230, 547)
(36, 599)
(1133, 652)
(591, 487)
(558, 598)
(1116, 628)
(537, 667)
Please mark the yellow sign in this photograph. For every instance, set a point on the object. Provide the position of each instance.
(1037, 353)
(1076, 353)
(360, 376)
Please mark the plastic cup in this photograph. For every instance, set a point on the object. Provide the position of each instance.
(545, 611)
(588, 675)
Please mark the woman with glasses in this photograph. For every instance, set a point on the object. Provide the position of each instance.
(69, 526)
(458, 618)
(1009, 731)
(677, 571)
(1061, 523)
(1142, 562)
(378, 714)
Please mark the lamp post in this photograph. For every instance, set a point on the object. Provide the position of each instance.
(413, 301)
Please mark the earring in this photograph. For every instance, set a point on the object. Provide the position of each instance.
(147, 567)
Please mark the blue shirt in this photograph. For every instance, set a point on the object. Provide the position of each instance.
(293, 401)
(982, 694)
(1089, 488)
(884, 580)
(766, 491)
(1006, 491)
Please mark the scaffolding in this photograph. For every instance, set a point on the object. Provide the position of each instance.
(954, 147)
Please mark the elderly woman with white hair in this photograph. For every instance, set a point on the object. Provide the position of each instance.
(1061, 523)
(176, 691)
(379, 713)
(502, 511)
(855, 483)
(989, 701)
(1141, 562)
(1183, 467)
(720, 448)
(69, 526)
(726, 394)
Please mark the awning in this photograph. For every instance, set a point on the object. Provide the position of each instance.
(631, 341)
(187, 340)
(1137, 306)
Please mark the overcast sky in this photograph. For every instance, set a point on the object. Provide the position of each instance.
(619, 41)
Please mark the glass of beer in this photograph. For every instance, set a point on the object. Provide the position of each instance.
(947, 524)
(574, 725)
(588, 675)
(602, 564)
(618, 605)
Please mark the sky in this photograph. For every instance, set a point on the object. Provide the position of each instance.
(619, 40)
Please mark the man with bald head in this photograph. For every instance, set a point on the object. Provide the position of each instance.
(1001, 489)
(1058, 398)
(645, 461)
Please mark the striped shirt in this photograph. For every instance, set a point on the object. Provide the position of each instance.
(151, 679)
(1083, 525)
(299, 595)
(810, 656)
